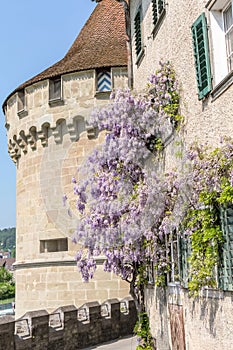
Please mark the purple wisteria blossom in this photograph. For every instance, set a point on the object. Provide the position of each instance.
(128, 209)
(124, 205)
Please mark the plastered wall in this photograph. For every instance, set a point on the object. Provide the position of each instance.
(177, 320)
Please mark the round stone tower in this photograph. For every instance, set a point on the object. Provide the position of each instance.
(48, 137)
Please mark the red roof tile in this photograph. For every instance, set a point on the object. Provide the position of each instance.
(101, 43)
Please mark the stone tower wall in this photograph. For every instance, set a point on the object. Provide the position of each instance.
(48, 141)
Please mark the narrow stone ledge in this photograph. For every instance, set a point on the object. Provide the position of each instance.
(27, 265)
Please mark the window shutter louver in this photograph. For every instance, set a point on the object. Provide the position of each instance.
(201, 56)
(138, 34)
(160, 6)
(157, 9)
(226, 268)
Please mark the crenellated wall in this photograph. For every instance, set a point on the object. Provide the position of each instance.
(39, 119)
(69, 328)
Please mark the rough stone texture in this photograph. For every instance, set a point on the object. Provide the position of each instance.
(51, 286)
(64, 330)
(48, 143)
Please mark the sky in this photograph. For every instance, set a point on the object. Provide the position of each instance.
(33, 36)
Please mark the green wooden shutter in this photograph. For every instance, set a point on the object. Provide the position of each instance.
(201, 56)
(226, 264)
(160, 6)
(138, 32)
(154, 11)
(157, 9)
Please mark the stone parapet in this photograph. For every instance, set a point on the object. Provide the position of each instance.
(19, 144)
(31, 124)
(69, 328)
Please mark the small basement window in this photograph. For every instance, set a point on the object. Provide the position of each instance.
(54, 245)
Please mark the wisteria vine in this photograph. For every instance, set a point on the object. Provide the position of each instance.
(124, 205)
(129, 208)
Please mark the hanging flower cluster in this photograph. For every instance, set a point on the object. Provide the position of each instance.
(125, 207)
(129, 208)
(166, 97)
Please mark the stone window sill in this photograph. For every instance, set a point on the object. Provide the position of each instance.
(56, 102)
(22, 113)
(103, 94)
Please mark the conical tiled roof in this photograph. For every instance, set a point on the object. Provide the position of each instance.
(101, 43)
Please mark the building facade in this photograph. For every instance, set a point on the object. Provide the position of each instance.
(49, 137)
(196, 37)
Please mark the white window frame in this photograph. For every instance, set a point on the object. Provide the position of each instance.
(227, 31)
(218, 40)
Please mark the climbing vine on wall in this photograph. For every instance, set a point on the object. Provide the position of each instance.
(129, 210)
(142, 330)
(124, 205)
(210, 179)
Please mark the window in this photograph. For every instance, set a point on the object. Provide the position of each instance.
(55, 90)
(138, 33)
(158, 10)
(201, 56)
(221, 24)
(21, 104)
(53, 245)
(173, 256)
(104, 81)
(224, 270)
(228, 29)
(226, 264)
(184, 245)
